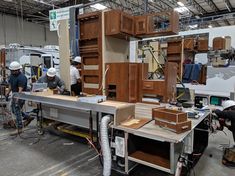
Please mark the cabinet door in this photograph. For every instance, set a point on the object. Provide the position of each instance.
(140, 25)
(133, 83)
(112, 22)
(127, 24)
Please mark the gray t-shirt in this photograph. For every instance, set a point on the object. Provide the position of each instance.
(52, 84)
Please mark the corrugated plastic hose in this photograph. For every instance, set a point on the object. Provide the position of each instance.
(105, 145)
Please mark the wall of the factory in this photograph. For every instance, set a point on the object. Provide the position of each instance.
(13, 30)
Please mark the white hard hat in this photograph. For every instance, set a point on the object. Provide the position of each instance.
(15, 66)
(51, 72)
(77, 59)
(227, 104)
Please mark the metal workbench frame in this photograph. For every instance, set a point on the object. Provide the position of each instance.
(160, 134)
(71, 104)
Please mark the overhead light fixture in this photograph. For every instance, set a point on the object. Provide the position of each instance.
(8, 0)
(98, 6)
(193, 26)
(197, 17)
(180, 4)
(182, 9)
(210, 26)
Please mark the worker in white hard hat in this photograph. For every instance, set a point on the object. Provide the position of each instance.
(76, 84)
(52, 80)
(228, 114)
(17, 84)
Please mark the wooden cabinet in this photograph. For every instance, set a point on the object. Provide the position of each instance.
(118, 24)
(122, 25)
(90, 46)
(166, 88)
(202, 44)
(163, 23)
(189, 44)
(123, 81)
(219, 43)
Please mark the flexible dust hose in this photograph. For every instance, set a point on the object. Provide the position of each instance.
(105, 146)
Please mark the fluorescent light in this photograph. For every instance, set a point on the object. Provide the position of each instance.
(180, 4)
(98, 6)
(210, 26)
(197, 17)
(181, 9)
(193, 26)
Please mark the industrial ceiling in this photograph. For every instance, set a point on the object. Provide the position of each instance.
(194, 13)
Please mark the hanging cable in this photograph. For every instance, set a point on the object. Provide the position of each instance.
(22, 22)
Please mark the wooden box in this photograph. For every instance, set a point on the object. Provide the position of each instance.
(169, 115)
(175, 127)
(219, 43)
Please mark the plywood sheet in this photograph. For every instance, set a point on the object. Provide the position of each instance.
(135, 123)
(64, 52)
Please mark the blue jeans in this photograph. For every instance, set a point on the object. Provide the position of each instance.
(16, 107)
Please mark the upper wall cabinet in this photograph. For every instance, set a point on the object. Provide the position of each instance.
(118, 24)
(163, 23)
(122, 25)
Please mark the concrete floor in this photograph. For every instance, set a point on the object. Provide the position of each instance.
(62, 155)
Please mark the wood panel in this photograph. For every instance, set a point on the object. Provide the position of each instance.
(64, 52)
(124, 80)
(170, 81)
(112, 22)
(127, 24)
(91, 79)
(133, 83)
(202, 44)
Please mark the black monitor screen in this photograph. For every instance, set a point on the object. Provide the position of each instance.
(185, 97)
(217, 101)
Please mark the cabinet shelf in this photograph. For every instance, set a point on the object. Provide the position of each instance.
(150, 160)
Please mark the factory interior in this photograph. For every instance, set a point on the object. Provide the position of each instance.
(117, 87)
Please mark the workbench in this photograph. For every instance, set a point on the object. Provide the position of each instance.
(157, 147)
(68, 109)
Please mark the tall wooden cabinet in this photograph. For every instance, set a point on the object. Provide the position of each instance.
(90, 45)
(124, 80)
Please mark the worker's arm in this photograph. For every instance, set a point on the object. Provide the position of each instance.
(61, 85)
(78, 77)
(225, 114)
